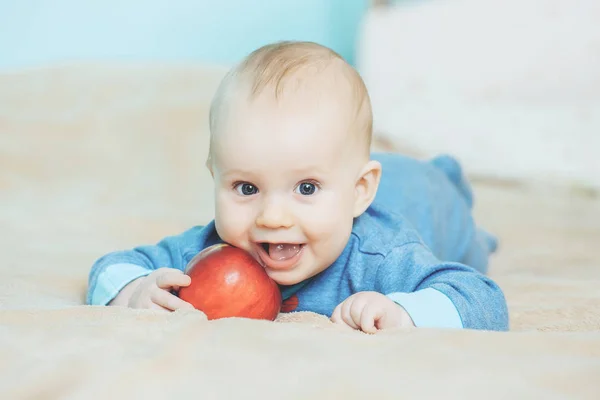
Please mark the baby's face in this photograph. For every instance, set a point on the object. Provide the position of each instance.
(285, 176)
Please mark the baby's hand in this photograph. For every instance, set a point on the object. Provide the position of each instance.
(370, 312)
(153, 291)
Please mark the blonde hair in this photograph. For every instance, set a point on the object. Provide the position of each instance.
(274, 65)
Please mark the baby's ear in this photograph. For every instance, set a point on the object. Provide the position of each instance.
(366, 186)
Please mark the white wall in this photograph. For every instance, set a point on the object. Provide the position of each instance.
(511, 87)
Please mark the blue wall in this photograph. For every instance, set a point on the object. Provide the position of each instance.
(39, 32)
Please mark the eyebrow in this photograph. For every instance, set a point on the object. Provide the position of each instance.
(309, 171)
(234, 172)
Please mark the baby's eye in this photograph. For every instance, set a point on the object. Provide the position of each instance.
(306, 188)
(246, 189)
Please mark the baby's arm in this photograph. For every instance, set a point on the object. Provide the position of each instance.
(118, 277)
(441, 294)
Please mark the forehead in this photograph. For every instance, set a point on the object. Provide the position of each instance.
(297, 132)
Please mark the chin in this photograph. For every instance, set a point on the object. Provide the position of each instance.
(288, 278)
(284, 278)
(291, 277)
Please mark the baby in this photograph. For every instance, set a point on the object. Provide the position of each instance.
(373, 241)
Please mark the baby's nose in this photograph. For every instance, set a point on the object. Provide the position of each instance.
(274, 215)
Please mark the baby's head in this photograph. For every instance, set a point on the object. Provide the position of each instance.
(289, 152)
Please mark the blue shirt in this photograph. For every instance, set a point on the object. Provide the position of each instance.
(417, 244)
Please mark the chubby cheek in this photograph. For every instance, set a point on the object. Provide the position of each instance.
(233, 222)
(327, 227)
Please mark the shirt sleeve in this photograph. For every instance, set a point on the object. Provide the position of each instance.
(441, 294)
(113, 271)
(429, 308)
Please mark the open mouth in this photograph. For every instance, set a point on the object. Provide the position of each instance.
(281, 251)
(280, 255)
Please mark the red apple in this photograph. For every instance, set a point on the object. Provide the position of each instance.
(228, 282)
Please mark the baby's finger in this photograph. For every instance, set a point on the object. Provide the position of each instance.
(154, 306)
(347, 310)
(356, 312)
(369, 317)
(172, 277)
(336, 315)
(168, 300)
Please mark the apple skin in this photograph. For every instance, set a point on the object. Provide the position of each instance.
(227, 282)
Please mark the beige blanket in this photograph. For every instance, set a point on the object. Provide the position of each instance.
(97, 158)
